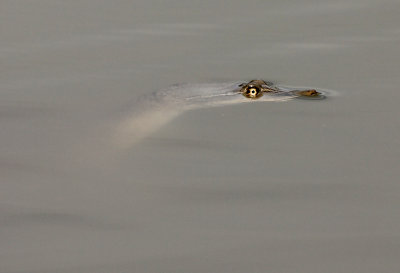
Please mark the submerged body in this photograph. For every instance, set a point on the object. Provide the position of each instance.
(150, 112)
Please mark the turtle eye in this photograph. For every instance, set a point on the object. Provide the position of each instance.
(254, 90)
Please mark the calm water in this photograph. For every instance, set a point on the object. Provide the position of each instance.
(299, 186)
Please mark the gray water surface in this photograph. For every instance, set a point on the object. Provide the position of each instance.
(297, 186)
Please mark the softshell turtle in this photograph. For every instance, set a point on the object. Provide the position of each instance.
(150, 112)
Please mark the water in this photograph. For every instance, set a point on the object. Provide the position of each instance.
(297, 186)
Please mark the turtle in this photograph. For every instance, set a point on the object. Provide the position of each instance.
(153, 110)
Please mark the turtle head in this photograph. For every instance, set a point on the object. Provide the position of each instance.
(256, 88)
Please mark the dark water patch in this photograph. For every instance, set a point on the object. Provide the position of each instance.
(24, 112)
(23, 217)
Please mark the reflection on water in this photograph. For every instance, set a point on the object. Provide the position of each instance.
(296, 186)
